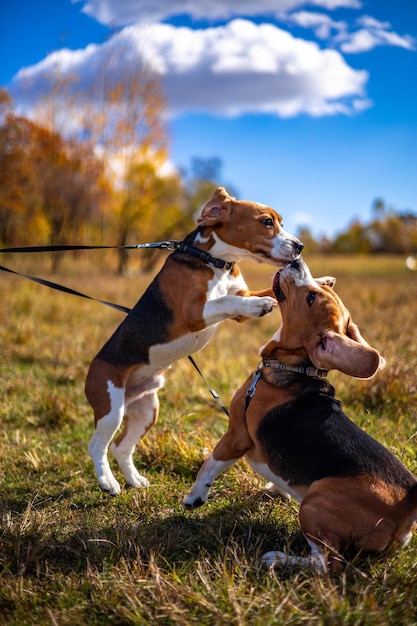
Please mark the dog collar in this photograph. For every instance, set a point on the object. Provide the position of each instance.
(206, 257)
(308, 371)
(277, 365)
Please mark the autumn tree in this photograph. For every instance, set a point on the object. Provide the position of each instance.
(57, 109)
(19, 199)
(50, 187)
(6, 104)
(68, 182)
(153, 209)
(394, 234)
(124, 118)
(352, 241)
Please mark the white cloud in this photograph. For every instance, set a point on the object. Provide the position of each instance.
(360, 41)
(363, 40)
(370, 22)
(374, 33)
(228, 70)
(123, 12)
(321, 23)
(392, 39)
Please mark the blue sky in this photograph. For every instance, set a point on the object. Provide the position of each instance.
(311, 106)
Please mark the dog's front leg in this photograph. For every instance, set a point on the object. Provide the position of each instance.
(209, 471)
(248, 294)
(261, 294)
(227, 307)
(232, 446)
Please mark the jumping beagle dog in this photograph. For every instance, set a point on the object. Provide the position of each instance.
(354, 494)
(199, 286)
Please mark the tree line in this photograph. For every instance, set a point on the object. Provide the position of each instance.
(389, 231)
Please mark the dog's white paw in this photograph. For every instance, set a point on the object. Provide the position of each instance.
(109, 485)
(274, 491)
(275, 558)
(192, 502)
(257, 307)
(125, 461)
(137, 480)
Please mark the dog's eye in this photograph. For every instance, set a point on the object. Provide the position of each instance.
(311, 296)
(269, 223)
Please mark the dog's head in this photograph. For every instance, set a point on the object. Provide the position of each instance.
(314, 319)
(247, 229)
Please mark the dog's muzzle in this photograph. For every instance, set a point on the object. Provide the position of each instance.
(296, 265)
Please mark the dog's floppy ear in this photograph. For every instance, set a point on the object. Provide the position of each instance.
(216, 210)
(348, 354)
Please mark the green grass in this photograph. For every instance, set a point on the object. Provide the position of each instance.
(72, 555)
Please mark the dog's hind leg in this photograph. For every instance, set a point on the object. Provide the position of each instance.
(326, 519)
(316, 560)
(106, 427)
(141, 413)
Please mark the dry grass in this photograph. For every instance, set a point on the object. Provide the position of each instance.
(72, 555)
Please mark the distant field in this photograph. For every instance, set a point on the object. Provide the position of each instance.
(72, 555)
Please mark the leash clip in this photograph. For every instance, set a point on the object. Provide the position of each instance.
(171, 244)
(250, 392)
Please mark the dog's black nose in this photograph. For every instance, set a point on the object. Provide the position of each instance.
(298, 247)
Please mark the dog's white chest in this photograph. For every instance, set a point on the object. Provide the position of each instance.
(162, 356)
(223, 284)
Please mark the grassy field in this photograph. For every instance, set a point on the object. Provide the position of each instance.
(69, 554)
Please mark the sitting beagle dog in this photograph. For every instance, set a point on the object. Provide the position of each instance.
(354, 494)
(199, 286)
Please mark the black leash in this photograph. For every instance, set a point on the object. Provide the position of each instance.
(73, 292)
(211, 390)
(169, 245)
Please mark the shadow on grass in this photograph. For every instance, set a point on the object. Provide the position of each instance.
(178, 539)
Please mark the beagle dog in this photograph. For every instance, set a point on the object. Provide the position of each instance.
(199, 286)
(354, 494)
